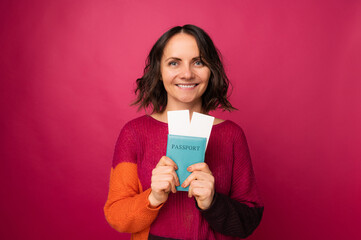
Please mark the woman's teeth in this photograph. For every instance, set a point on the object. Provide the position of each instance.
(186, 86)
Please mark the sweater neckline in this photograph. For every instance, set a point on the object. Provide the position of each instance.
(166, 124)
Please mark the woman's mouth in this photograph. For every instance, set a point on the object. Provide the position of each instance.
(187, 85)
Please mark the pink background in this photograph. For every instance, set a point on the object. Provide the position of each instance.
(68, 69)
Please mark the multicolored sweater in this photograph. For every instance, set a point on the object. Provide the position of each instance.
(234, 213)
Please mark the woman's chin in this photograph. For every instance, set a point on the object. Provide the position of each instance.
(188, 101)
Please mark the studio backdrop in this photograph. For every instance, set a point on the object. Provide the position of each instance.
(68, 71)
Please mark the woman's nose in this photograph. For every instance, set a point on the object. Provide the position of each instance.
(187, 72)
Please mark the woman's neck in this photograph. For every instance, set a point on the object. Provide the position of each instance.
(191, 107)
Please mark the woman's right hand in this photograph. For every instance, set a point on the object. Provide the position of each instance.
(164, 180)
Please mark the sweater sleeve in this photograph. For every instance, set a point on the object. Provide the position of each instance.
(127, 207)
(240, 213)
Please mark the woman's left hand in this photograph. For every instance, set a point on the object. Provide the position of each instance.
(201, 184)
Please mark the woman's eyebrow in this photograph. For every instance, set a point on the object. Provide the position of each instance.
(173, 58)
(178, 59)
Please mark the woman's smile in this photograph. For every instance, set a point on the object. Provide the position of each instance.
(187, 86)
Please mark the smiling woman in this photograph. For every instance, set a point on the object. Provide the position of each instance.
(183, 72)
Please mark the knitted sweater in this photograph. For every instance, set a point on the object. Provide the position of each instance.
(236, 209)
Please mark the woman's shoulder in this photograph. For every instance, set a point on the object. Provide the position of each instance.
(140, 121)
(228, 126)
(137, 127)
(144, 123)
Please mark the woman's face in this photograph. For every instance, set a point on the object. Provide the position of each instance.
(185, 76)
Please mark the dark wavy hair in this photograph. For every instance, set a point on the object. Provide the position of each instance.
(150, 90)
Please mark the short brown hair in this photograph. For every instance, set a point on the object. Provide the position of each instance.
(150, 90)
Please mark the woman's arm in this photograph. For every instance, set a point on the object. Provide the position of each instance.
(240, 213)
(127, 208)
(232, 218)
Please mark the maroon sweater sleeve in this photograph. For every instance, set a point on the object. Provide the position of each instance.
(231, 217)
(239, 213)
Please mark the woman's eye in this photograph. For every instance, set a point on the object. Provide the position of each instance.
(198, 63)
(172, 63)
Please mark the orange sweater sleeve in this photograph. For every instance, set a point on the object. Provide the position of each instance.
(127, 207)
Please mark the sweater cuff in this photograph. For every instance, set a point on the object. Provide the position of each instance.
(216, 210)
(152, 209)
(211, 207)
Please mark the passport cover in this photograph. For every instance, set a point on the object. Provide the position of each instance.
(185, 151)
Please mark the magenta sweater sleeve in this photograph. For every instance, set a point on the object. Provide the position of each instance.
(239, 213)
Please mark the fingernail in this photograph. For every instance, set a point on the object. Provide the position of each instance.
(189, 169)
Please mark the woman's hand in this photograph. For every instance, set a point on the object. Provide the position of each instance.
(201, 184)
(164, 180)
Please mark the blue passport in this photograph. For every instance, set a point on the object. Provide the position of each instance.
(185, 151)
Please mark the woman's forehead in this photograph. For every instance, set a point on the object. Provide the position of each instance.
(181, 45)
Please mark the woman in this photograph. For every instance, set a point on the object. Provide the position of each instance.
(183, 71)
